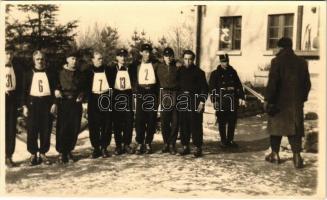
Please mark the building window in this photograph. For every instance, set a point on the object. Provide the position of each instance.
(279, 26)
(230, 33)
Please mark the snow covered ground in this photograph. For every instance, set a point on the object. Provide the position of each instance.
(218, 173)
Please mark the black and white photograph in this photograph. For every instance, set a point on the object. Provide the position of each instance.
(168, 99)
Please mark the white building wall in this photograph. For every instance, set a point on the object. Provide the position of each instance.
(253, 51)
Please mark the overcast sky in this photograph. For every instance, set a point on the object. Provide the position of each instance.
(154, 18)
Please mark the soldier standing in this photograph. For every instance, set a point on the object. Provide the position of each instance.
(146, 100)
(99, 82)
(193, 90)
(39, 105)
(227, 95)
(287, 90)
(123, 104)
(167, 75)
(70, 95)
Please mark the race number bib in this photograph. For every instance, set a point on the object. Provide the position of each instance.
(40, 85)
(10, 79)
(100, 83)
(122, 81)
(146, 74)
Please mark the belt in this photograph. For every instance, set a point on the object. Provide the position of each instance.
(228, 88)
(146, 86)
(169, 89)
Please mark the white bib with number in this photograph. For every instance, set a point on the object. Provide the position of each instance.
(146, 74)
(122, 81)
(10, 79)
(100, 83)
(40, 85)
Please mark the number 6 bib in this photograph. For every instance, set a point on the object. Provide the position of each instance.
(100, 83)
(146, 74)
(40, 85)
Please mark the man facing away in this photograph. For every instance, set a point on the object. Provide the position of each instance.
(287, 90)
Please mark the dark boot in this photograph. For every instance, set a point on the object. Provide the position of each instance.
(197, 152)
(185, 150)
(33, 160)
(128, 149)
(105, 153)
(273, 157)
(140, 149)
(96, 153)
(71, 157)
(9, 162)
(148, 149)
(165, 149)
(63, 158)
(172, 150)
(232, 144)
(297, 160)
(44, 159)
(119, 150)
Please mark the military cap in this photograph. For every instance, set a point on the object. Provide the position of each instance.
(146, 47)
(224, 57)
(168, 51)
(189, 52)
(121, 52)
(285, 42)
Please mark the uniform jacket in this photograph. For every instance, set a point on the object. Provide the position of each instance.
(16, 95)
(193, 80)
(287, 89)
(27, 82)
(225, 82)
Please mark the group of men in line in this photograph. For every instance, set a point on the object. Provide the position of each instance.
(45, 94)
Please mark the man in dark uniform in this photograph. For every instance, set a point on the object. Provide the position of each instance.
(167, 75)
(287, 90)
(12, 85)
(227, 95)
(69, 94)
(193, 90)
(99, 81)
(39, 105)
(146, 87)
(123, 104)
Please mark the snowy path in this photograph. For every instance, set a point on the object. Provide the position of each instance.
(219, 173)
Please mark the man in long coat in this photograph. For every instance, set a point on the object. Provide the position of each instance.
(287, 90)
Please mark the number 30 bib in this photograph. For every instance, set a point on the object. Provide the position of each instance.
(146, 74)
(100, 83)
(10, 79)
(122, 81)
(40, 85)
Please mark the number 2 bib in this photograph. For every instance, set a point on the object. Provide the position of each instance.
(40, 85)
(100, 83)
(10, 79)
(146, 74)
(122, 81)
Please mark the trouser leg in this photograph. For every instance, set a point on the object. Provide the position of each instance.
(197, 129)
(45, 127)
(32, 128)
(275, 143)
(185, 127)
(231, 128)
(295, 142)
(11, 120)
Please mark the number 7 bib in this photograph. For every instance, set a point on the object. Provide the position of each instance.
(100, 83)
